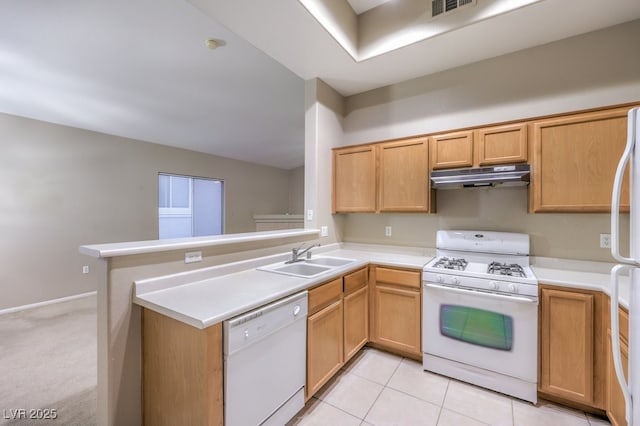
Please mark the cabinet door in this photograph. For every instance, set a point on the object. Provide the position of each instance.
(404, 176)
(575, 159)
(451, 150)
(182, 372)
(615, 398)
(397, 319)
(356, 321)
(325, 346)
(567, 345)
(354, 179)
(502, 144)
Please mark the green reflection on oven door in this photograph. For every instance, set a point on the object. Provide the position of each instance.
(477, 326)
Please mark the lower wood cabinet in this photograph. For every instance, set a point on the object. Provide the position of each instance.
(572, 349)
(356, 321)
(182, 372)
(397, 310)
(337, 326)
(325, 350)
(615, 399)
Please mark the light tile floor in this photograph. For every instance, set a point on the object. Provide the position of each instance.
(377, 388)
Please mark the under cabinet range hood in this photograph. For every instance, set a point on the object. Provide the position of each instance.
(512, 175)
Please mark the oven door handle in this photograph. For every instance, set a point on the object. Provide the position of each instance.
(518, 299)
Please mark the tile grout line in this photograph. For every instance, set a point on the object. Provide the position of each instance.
(443, 399)
(384, 386)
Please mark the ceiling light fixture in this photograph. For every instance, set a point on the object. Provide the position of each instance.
(213, 43)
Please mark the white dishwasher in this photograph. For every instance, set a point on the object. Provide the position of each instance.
(265, 363)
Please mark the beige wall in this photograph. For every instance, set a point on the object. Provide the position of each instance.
(323, 131)
(592, 70)
(296, 190)
(63, 187)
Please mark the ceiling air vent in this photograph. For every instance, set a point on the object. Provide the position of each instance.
(442, 7)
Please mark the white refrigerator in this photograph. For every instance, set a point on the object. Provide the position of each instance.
(631, 264)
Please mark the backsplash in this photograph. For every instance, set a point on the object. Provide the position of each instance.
(561, 235)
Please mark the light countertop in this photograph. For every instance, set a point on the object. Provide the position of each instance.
(208, 301)
(204, 298)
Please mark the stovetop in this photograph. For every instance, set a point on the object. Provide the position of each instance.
(504, 269)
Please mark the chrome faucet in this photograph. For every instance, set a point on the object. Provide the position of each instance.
(296, 253)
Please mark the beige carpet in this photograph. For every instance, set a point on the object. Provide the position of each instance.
(48, 361)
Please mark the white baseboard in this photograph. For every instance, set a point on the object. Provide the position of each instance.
(46, 302)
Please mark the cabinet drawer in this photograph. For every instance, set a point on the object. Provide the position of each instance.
(321, 296)
(355, 280)
(399, 277)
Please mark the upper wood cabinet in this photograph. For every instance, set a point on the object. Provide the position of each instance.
(575, 159)
(572, 359)
(486, 146)
(502, 144)
(404, 176)
(451, 150)
(354, 179)
(382, 177)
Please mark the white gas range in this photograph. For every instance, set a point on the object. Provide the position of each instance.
(480, 311)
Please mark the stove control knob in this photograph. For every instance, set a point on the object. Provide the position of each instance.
(440, 278)
(494, 285)
(455, 281)
(513, 288)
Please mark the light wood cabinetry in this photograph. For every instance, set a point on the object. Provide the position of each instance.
(572, 358)
(383, 177)
(615, 400)
(356, 320)
(324, 346)
(575, 159)
(337, 326)
(485, 146)
(451, 150)
(182, 372)
(354, 179)
(505, 144)
(404, 176)
(396, 310)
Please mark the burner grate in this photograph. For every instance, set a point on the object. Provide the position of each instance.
(511, 269)
(458, 264)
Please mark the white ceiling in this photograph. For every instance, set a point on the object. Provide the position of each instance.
(361, 6)
(140, 68)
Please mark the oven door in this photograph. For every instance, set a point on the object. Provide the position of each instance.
(486, 330)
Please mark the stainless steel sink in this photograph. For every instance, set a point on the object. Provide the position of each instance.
(300, 269)
(308, 268)
(329, 261)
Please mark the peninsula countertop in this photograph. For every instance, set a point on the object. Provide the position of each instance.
(222, 292)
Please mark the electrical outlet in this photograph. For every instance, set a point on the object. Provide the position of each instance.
(605, 241)
(193, 256)
(387, 231)
(309, 214)
(324, 231)
(85, 269)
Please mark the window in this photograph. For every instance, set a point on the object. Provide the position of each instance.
(189, 206)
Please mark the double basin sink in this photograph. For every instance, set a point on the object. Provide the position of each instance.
(308, 268)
